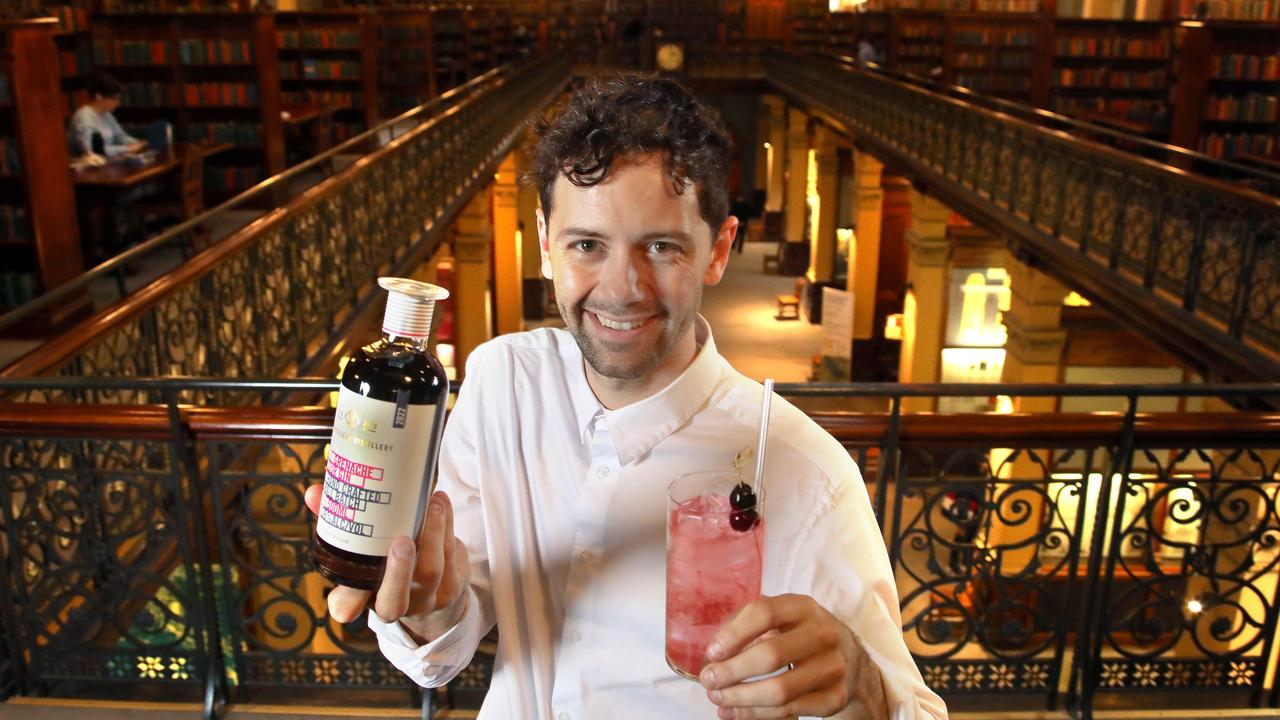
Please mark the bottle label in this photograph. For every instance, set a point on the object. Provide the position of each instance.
(375, 472)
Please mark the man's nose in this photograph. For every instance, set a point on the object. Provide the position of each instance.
(623, 278)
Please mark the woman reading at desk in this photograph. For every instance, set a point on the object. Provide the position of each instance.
(94, 129)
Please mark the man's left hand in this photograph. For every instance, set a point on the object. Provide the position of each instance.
(829, 668)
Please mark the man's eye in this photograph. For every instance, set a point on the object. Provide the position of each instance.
(585, 245)
(662, 247)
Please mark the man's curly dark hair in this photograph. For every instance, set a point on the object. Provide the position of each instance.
(626, 115)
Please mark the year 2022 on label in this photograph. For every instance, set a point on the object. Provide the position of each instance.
(374, 474)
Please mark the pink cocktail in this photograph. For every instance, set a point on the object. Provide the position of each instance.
(714, 563)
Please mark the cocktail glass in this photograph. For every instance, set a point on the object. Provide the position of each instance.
(714, 563)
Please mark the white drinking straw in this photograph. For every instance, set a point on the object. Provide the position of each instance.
(764, 434)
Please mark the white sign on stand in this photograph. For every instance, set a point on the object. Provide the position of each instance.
(837, 323)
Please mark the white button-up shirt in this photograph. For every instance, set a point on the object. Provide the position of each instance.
(562, 505)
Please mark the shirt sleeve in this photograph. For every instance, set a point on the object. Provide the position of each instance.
(118, 141)
(852, 579)
(81, 134)
(439, 661)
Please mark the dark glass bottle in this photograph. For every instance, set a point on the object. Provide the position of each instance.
(386, 438)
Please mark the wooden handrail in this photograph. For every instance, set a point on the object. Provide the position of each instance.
(312, 423)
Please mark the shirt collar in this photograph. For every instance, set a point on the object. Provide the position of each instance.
(640, 426)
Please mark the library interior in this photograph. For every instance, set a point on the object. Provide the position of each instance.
(1021, 258)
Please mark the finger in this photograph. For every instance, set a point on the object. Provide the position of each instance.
(762, 658)
(346, 603)
(431, 548)
(762, 713)
(781, 691)
(447, 589)
(819, 703)
(313, 496)
(392, 600)
(755, 619)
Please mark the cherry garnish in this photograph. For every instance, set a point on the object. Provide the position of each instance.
(743, 501)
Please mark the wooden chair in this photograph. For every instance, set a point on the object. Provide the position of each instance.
(188, 200)
(789, 305)
(770, 263)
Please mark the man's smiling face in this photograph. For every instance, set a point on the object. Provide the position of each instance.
(629, 258)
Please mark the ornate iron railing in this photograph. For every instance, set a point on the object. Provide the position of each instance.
(163, 548)
(1196, 261)
(252, 304)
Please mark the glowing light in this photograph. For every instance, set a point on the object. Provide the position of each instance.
(893, 327)
(1194, 606)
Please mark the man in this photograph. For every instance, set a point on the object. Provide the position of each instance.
(550, 514)
(94, 128)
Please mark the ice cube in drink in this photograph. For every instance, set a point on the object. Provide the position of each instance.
(713, 570)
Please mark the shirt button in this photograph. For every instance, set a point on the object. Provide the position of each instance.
(563, 716)
(586, 556)
(575, 636)
(602, 473)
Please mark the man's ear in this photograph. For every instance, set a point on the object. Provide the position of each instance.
(544, 244)
(720, 251)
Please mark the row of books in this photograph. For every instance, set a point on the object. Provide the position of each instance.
(330, 69)
(405, 76)
(76, 61)
(1254, 107)
(406, 33)
(17, 288)
(1005, 62)
(1006, 6)
(232, 178)
(149, 94)
(1226, 145)
(1232, 9)
(296, 39)
(13, 223)
(917, 51)
(994, 83)
(239, 134)
(10, 160)
(195, 51)
(404, 55)
(131, 52)
(1016, 38)
(919, 31)
(1112, 47)
(71, 18)
(220, 94)
(1245, 67)
(335, 99)
(1100, 77)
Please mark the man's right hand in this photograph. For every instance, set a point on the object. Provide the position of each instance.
(424, 589)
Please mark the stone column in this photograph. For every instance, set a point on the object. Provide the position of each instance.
(1033, 350)
(507, 268)
(822, 246)
(864, 251)
(776, 136)
(794, 226)
(472, 254)
(925, 315)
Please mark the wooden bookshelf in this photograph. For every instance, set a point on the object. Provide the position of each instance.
(918, 45)
(1225, 100)
(993, 53)
(449, 47)
(1113, 68)
(329, 58)
(39, 236)
(75, 50)
(214, 76)
(406, 62)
